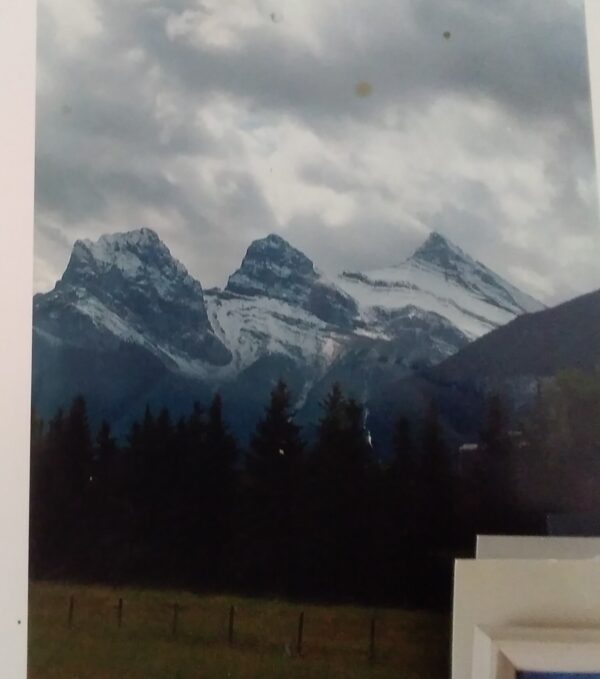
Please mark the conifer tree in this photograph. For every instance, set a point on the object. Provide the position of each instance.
(192, 509)
(221, 448)
(403, 466)
(40, 496)
(106, 447)
(436, 481)
(67, 467)
(107, 473)
(495, 464)
(276, 448)
(78, 443)
(435, 463)
(216, 486)
(105, 514)
(402, 519)
(274, 469)
(340, 515)
(331, 427)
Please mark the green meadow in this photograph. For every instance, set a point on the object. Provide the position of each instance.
(158, 640)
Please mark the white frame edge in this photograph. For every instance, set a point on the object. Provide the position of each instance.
(501, 652)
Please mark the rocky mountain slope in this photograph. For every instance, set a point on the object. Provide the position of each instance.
(127, 324)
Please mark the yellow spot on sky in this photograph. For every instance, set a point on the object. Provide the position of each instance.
(363, 89)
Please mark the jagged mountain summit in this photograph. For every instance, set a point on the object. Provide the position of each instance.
(126, 287)
(438, 253)
(273, 268)
(439, 278)
(139, 328)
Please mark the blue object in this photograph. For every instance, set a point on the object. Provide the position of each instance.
(557, 675)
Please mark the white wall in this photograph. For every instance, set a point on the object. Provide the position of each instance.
(17, 88)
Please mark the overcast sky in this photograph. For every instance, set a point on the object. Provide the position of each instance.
(350, 127)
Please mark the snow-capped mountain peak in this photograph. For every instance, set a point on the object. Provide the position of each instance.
(134, 256)
(127, 287)
(439, 251)
(124, 300)
(109, 247)
(273, 268)
(439, 278)
(439, 254)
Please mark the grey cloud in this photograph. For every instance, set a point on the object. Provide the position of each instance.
(341, 180)
(52, 234)
(363, 244)
(104, 141)
(63, 188)
(527, 56)
(77, 192)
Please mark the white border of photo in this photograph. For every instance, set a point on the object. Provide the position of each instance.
(17, 133)
(17, 119)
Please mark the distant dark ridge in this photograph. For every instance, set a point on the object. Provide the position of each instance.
(539, 344)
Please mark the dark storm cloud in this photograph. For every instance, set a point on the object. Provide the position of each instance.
(527, 56)
(129, 128)
(65, 189)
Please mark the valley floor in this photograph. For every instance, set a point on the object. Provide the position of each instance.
(157, 641)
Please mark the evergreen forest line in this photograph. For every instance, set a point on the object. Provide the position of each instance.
(181, 504)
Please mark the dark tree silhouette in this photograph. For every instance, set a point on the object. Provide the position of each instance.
(274, 472)
(403, 464)
(339, 508)
(217, 484)
(496, 511)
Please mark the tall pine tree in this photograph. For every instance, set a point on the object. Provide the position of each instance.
(339, 497)
(274, 472)
(495, 465)
(218, 487)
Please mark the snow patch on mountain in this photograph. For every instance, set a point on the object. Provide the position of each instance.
(438, 253)
(255, 326)
(107, 320)
(439, 278)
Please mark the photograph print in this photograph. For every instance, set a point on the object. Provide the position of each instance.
(316, 302)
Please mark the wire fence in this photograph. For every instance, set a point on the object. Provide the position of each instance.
(69, 623)
(199, 623)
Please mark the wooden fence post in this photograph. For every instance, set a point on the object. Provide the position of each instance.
(175, 618)
(120, 613)
(300, 633)
(231, 621)
(372, 641)
(71, 610)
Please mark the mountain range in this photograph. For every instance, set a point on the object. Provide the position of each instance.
(127, 325)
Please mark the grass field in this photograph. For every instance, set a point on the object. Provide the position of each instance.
(408, 644)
